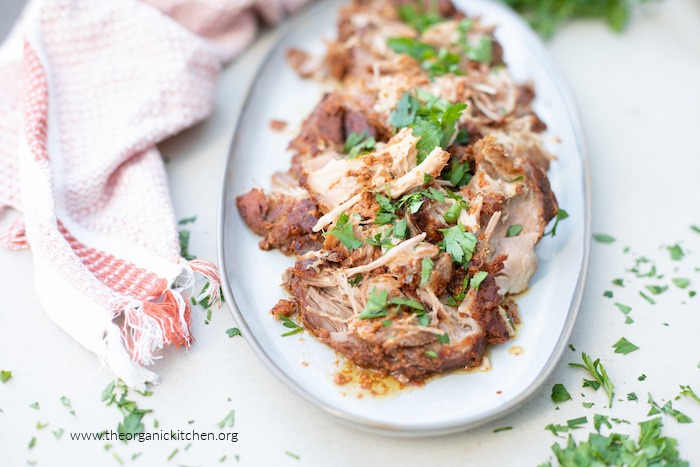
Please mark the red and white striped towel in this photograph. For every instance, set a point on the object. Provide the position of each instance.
(87, 89)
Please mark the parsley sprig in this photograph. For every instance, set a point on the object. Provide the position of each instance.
(432, 119)
(600, 377)
(343, 231)
(459, 243)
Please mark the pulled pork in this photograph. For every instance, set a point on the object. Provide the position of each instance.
(416, 194)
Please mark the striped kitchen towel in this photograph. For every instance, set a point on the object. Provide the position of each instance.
(87, 90)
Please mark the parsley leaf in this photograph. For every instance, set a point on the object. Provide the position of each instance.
(668, 410)
(676, 252)
(405, 113)
(680, 282)
(459, 243)
(624, 346)
(514, 230)
(5, 375)
(457, 173)
(482, 51)
(228, 420)
(376, 304)
(426, 268)
(657, 289)
(289, 323)
(560, 394)
(356, 143)
(478, 278)
(344, 233)
(561, 215)
(603, 238)
(233, 332)
(417, 19)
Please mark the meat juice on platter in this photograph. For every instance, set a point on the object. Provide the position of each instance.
(416, 193)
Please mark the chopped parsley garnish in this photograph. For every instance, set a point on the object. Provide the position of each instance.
(452, 215)
(344, 233)
(618, 282)
(688, 392)
(133, 416)
(695, 228)
(436, 62)
(34, 405)
(431, 354)
(406, 110)
(624, 346)
(184, 236)
(600, 377)
(680, 282)
(230, 332)
(560, 394)
(561, 215)
(514, 230)
(603, 238)
(477, 279)
(289, 323)
(228, 420)
(676, 252)
(642, 377)
(647, 298)
(668, 410)
(459, 243)
(5, 375)
(632, 396)
(503, 428)
(432, 119)
(608, 294)
(482, 51)
(444, 338)
(426, 268)
(457, 173)
(619, 449)
(546, 17)
(292, 455)
(418, 18)
(657, 289)
(376, 304)
(358, 143)
(355, 280)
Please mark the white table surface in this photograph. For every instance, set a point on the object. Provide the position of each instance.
(639, 99)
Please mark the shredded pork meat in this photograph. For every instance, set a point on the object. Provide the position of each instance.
(416, 194)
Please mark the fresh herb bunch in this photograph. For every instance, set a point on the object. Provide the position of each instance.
(546, 16)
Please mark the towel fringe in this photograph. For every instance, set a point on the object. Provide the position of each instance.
(150, 325)
(209, 272)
